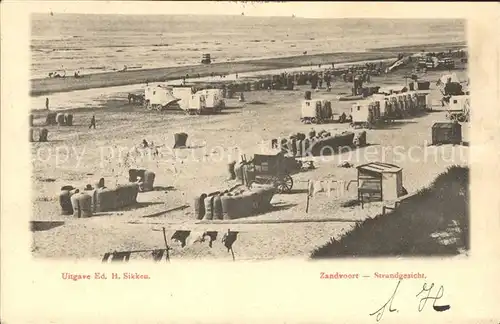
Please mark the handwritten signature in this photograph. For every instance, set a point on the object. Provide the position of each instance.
(425, 292)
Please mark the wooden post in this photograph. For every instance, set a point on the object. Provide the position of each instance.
(308, 195)
(166, 245)
(232, 253)
(243, 173)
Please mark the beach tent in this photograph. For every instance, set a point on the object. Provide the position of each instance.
(444, 78)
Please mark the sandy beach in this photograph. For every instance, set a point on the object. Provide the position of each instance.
(48, 86)
(117, 55)
(77, 156)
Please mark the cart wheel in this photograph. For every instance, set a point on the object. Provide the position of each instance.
(461, 118)
(284, 185)
(313, 120)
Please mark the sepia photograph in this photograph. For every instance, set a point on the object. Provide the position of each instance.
(239, 137)
(246, 161)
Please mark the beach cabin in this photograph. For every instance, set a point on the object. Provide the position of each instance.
(205, 59)
(184, 95)
(428, 62)
(311, 111)
(432, 62)
(159, 97)
(379, 181)
(394, 107)
(423, 100)
(197, 103)
(459, 103)
(203, 101)
(446, 63)
(382, 100)
(407, 98)
(365, 113)
(394, 100)
(214, 99)
(403, 102)
(414, 102)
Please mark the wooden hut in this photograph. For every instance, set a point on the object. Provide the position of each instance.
(205, 59)
(379, 181)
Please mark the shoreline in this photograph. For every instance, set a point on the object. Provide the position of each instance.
(49, 86)
(68, 98)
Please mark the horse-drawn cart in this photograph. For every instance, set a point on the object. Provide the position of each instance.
(269, 169)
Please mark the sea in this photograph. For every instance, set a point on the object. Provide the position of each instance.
(91, 43)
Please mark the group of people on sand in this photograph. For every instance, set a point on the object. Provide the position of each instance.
(212, 75)
(57, 74)
(151, 146)
(63, 74)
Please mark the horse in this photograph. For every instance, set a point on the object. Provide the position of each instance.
(133, 98)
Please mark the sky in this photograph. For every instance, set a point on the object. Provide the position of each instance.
(299, 9)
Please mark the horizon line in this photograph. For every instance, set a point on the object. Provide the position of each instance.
(293, 16)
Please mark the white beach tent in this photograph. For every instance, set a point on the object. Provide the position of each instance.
(444, 78)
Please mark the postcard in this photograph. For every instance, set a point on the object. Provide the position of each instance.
(291, 162)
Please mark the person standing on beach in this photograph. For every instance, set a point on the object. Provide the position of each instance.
(92, 122)
(47, 103)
